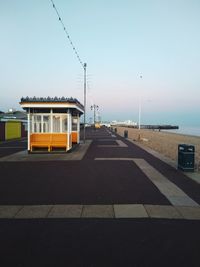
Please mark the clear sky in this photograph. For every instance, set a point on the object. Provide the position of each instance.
(120, 41)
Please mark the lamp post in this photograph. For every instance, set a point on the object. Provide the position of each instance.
(139, 112)
(84, 67)
(95, 108)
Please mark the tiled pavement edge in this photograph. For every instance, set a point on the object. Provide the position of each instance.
(99, 211)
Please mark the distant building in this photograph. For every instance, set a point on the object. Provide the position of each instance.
(13, 115)
(1, 114)
(13, 124)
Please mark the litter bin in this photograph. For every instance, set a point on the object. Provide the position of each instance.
(186, 157)
(115, 130)
(126, 134)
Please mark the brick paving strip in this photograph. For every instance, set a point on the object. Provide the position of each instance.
(117, 211)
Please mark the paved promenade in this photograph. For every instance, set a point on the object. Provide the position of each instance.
(107, 203)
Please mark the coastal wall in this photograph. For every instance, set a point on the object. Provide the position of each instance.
(165, 143)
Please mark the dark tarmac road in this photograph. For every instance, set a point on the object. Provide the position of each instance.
(90, 242)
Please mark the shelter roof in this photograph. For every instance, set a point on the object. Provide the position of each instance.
(57, 102)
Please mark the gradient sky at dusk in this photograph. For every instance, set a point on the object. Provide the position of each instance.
(120, 41)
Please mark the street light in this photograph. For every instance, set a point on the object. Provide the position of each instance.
(95, 108)
(84, 68)
(139, 119)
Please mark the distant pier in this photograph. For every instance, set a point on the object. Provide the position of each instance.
(152, 127)
(160, 127)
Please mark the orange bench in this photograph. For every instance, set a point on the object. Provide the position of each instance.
(74, 137)
(59, 140)
(40, 140)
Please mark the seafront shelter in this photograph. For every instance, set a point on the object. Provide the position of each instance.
(53, 123)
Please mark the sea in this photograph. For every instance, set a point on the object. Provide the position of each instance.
(186, 130)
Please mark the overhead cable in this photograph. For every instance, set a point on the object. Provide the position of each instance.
(67, 34)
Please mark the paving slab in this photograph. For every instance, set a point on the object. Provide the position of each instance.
(130, 211)
(39, 211)
(183, 201)
(98, 211)
(189, 213)
(168, 188)
(65, 211)
(195, 176)
(8, 212)
(166, 212)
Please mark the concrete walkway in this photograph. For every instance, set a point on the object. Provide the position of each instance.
(115, 211)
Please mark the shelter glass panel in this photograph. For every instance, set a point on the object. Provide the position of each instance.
(37, 125)
(64, 123)
(46, 124)
(74, 124)
(31, 123)
(56, 124)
